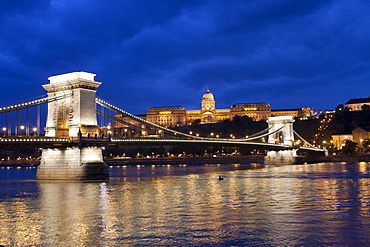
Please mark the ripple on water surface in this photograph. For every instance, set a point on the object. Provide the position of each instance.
(315, 204)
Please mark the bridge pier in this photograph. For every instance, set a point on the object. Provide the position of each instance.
(73, 116)
(281, 157)
(281, 132)
(77, 163)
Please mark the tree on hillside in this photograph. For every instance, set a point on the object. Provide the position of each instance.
(350, 147)
(365, 107)
(346, 121)
(340, 108)
(307, 128)
(366, 145)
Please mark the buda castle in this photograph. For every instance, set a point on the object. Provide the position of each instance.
(178, 116)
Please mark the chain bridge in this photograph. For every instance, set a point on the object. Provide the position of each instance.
(73, 138)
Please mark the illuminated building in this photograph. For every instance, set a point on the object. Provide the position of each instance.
(208, 108)
(257, 111)
(357, 104)
(208, 113)
(303, 113)
(339, 140)
(125, 127)
(177, 116)
(360, 134)
(167, 116)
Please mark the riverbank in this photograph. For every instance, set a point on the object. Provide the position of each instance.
(257, 159)
(19, 163)
(334, 158)
(249, 159)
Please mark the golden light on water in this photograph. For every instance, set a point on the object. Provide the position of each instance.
(191, 208)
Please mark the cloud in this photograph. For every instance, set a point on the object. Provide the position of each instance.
(153, 53)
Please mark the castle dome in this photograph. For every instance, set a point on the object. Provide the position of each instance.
(208, 96)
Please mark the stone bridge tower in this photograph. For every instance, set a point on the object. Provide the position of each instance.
(285, 135)
(72, 115)
(75, 111)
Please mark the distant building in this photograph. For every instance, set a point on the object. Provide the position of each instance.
(303, 113)
(178, 116)
(359, 134)
(124, 126)
(167, 116)
(257, 111)
(357, 104)
(339, 140)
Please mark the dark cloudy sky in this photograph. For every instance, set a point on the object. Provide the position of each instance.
(150, 53)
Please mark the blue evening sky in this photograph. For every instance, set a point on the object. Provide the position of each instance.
(151, 53)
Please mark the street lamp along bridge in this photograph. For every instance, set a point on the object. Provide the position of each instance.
(72, 145)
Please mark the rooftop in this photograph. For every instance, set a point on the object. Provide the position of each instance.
(161, 108)
(293, 109)
(358, 101)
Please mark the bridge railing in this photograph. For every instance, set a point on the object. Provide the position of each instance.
(142, 121)
(32, 103)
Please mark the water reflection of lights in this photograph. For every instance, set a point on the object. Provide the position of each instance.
(103, 203)
(280, 200)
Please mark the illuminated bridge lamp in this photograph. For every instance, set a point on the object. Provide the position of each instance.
(34, 129)
(22, 128)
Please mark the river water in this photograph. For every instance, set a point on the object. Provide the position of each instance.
(301, 205)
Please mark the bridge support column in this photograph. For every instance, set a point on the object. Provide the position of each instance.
(281, 157)
(73, 116)
(78, 163)
(283, 136)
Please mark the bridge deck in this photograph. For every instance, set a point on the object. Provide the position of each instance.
(49, 142)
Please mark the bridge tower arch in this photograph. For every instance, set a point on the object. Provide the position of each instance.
(283, 136)
(281, 129)
(73, 115)
(76, 111)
